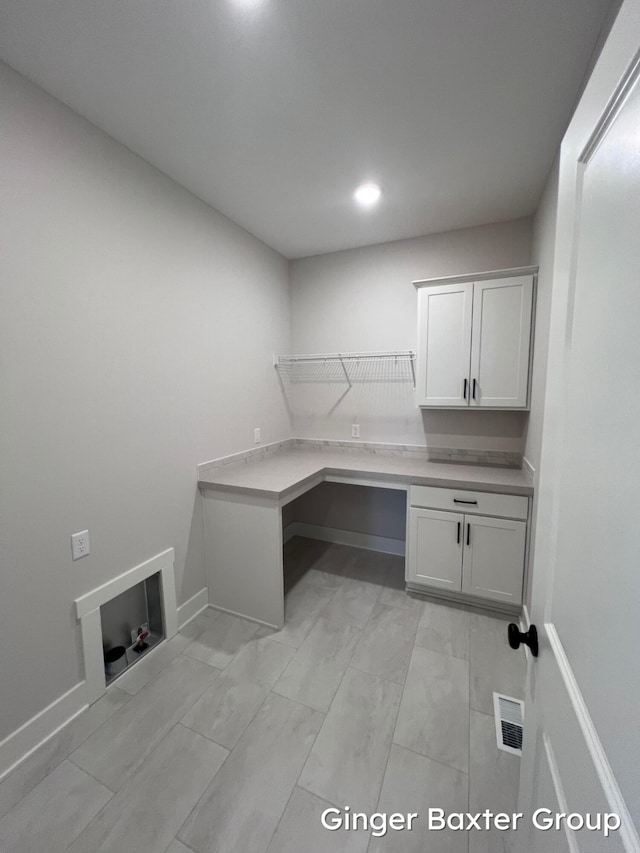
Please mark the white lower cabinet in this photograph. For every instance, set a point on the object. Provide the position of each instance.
(493, 558)
(477, 555)
(435, 548)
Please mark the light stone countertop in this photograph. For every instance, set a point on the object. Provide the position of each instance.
(284, 472)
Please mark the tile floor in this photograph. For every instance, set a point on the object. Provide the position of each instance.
(233, 738)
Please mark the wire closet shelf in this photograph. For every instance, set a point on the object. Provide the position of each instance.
(348, 367)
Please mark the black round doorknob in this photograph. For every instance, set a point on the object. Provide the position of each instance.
(529, 638)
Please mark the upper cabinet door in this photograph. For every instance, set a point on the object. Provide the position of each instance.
(500, 342)
(444, 345)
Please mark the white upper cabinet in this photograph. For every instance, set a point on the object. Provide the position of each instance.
(500, 341)
(444, 344)
(474, 341)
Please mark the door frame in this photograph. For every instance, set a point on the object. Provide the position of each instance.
(619, 61)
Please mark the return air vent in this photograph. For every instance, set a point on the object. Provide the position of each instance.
(509, 716)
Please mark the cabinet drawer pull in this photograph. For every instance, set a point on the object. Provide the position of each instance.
(474, 389)
(468, 533)
(460, 501)
(464, 393)
(459, 526)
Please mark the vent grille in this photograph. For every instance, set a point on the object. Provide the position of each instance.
(509, 716)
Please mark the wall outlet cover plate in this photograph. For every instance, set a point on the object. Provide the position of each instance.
(80, 545)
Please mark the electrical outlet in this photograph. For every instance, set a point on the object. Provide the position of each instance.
(256, 436)
(80, 544)
(355, 430)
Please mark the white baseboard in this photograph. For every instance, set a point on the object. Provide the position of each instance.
(36, 731)
(345, 537)
(289, 532)
(193, 606)
(244, 616)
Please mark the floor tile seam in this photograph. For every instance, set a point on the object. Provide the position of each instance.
(284, 642)
(185, 654)
(106, 720)
(273, 692)
(311, 627)
(206, 788)
(320, 616)
(200, 693)
(472, 707)
(154, 676)
(393, 740)
(439, 651)
(348, 664)
(174, 720)
(81, 769)
(92, 775)
(277, 826)
(431, 758)
(303, 763)
(210, 739)
(99, 813)
(160, 648)
(67, 753)
(366, 624)
(386, 764)
(248, 679)
(297, 782)
(40, 781)
(412, 638)
(436, 760)
(381, 677)
(316, 619)
(184, 844)
(361, 629)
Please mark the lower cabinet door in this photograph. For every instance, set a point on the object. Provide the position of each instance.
(493, 562)
(435, 548)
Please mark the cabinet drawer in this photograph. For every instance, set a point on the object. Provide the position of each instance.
(483, 503)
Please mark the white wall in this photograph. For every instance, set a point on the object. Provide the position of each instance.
(363, 300)
(137, 327)
(542, 254)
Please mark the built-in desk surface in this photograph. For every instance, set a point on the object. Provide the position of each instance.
(243, 500)
(283, 473)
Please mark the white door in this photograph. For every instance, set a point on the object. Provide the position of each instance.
(582, 722)
(500, 342)
(444, 345)
(493, 559)
(435, 548)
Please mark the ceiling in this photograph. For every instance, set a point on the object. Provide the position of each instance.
(273, 111)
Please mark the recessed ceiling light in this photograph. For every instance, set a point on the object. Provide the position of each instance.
(367, 194)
